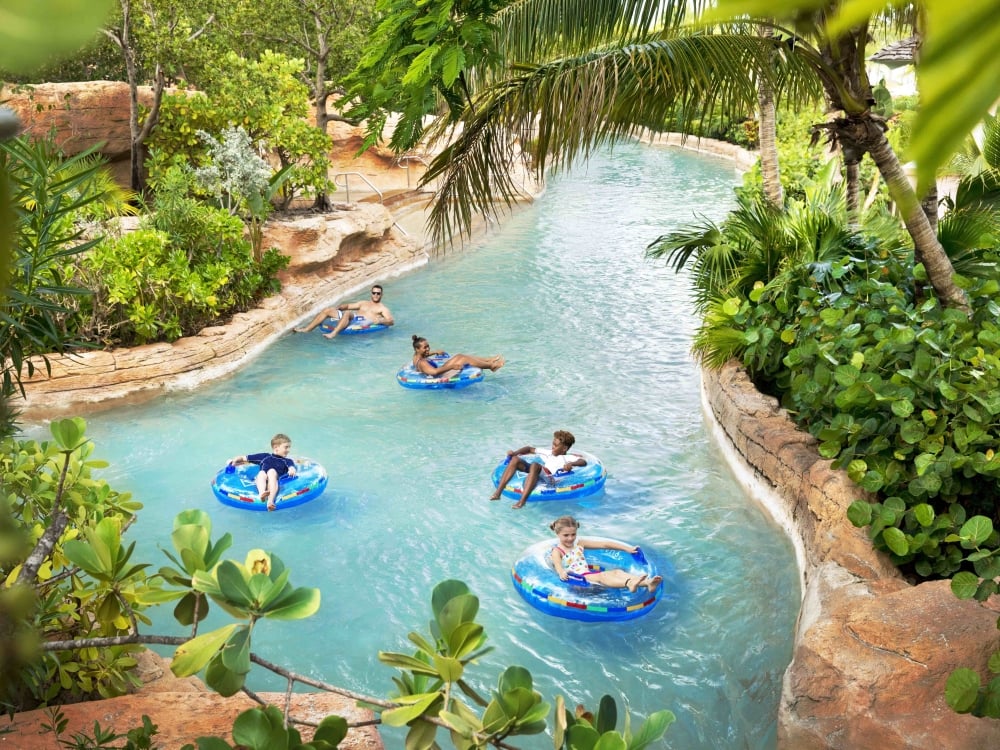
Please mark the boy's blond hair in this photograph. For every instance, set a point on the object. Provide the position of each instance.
(279, 439)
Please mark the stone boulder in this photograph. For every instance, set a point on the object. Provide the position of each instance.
(80, 115)
(872, 652)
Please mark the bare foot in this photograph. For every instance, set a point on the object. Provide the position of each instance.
(495, 495)
(264, 494)
(496, 363)
(653, 583)
(633, 583)
(271, 506)
(330, 335)
(518, 504)
(301, 330)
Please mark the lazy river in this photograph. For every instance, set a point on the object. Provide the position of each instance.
(596, 340)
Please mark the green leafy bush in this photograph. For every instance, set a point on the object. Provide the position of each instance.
(85, 584)
(266, 99)
(187, 265)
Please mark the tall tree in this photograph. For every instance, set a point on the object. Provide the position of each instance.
(329, 37)
(155, 37)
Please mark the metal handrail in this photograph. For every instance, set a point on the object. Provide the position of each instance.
(347, 188)
(407, 158)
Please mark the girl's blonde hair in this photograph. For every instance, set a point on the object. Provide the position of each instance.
(564, 522)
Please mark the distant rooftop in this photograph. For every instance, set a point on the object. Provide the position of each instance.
(897, 54)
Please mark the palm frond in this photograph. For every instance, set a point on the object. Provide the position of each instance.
(562, 110)
(542, 29)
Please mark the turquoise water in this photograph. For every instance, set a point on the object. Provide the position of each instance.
(597, 342)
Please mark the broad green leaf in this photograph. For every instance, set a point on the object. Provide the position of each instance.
(611, 741)
(232, 584)
(83, 555)
(924, 514)
(397, 717)
(962, 690)
(450, 669)
(221, 679)
(462, 719)
(964, 585)
(190, 657)
(977, 529)
(260, 729)
(896, 541)
(652, 729)
(859, 513)
(607, 714)
(513, 678)
(236, 652)
(421, 736)
(332, 729)
(465, 639)
(193, 539)
(68, 433)
(902, 407)
(301, 603)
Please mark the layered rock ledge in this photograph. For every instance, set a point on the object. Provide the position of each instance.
(872, 652)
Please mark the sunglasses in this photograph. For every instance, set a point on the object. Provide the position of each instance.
(376, 294)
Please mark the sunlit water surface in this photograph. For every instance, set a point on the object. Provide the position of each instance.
(597, 342)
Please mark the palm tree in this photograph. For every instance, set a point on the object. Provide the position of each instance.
(598, 79)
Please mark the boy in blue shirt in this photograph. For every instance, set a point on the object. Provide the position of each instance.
(273, 466)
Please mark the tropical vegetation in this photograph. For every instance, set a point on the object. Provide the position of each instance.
(882, 343)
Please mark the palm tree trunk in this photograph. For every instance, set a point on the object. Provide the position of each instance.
(767, 137)
(853, 190)
(926, 248)
(930, 206)
(768, 144)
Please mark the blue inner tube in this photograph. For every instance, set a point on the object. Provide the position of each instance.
(357, 325)
(536, 581)
(582, 481)
(411, 377)
(234, 485)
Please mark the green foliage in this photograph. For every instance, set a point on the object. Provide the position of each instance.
(49, 194)
(266, 99)
(138, 738)
(584, 730)
(33, 33)
(82, 589)
(427, 695)
(264, 729)
(418, 56)
(188, 264)
(257, 589)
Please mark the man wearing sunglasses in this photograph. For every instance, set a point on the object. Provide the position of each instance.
(365, 312)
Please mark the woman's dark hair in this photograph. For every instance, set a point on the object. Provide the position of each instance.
(416, 341)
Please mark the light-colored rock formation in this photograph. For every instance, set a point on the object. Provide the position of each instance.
(872, 652)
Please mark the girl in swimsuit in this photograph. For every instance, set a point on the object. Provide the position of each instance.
(568, 557)
(422, 353)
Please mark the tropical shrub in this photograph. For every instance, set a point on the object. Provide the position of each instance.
(82, 581)
(187, 265)
(266, 99)
(49, 197)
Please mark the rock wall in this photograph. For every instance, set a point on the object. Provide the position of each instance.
(872, 652)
